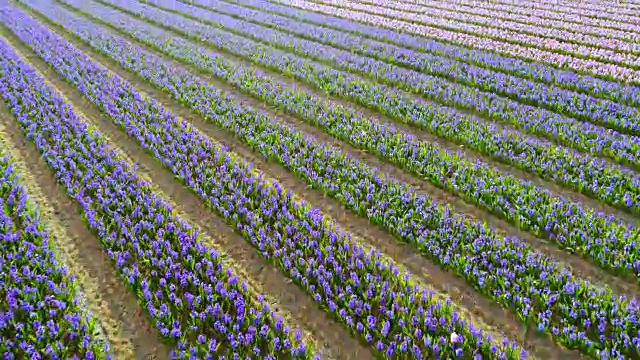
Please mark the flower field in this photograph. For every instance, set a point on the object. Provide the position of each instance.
(319, 179)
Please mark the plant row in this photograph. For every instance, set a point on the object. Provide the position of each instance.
(40, 310)
(605, 240)
(363, 289)
(195, 302)
(621, 8)
(589, 175)
(629, 8)
(563, 78)
(535, 287)
(583, 65)
(538, 121)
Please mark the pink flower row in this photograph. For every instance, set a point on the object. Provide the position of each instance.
(601, 11)
(528, 22)
(604, 8)
(437, 19)
(495, 21)
(567, 61)
(548, 12)
(559, 4)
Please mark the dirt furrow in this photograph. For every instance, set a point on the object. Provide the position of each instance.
(575, 261)
(287, 298)
(493, 317)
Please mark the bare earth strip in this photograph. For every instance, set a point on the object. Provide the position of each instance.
(358, 225)
(483, 311)
(286, 298)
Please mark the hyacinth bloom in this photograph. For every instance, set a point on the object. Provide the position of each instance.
(524, 116)
(605, 64)
(603, 51)
(571, 28)
(282, 227)
(390, 204)
(201, 308)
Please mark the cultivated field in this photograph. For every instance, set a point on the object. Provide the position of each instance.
(320, 179)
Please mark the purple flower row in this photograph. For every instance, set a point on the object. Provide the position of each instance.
(529, 31)
(195, 302)
(583, 65)
(40, 313)
(539, 121)
(529, 70)
(630, 33)
(574, 311)
(609, 183)
(606, 240)
(363, 289)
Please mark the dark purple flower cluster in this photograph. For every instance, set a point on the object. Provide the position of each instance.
(576, 312)
(40, 313)
(611, 184)
(361, 287)
(195, 302)
(604, 239)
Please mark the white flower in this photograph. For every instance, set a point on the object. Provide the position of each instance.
(455, 338)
